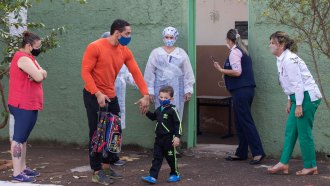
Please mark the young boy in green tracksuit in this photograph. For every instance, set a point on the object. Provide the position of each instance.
(168, 131)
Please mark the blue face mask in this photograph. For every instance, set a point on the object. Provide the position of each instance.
(164, 102)
(124, 40)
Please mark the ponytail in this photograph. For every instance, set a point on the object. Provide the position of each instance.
(234, 36)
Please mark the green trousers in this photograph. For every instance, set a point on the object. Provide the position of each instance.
(301, 128)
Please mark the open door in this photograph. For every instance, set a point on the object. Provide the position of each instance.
(215, 123)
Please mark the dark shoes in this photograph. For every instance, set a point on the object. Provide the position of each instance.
(257, 161)
(119, 163)
(252, 162)
(234, 158)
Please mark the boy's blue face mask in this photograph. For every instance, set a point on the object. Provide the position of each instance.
(164, 102)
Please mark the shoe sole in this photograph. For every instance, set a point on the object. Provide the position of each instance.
(169, 181)
(118, 164)
(102, 183)
(16, 181)
(116, 178)
(146, 181)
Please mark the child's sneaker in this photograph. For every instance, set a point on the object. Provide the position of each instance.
(101, 178)
(174, 178)
(112, 174)
(31, 173)
(149, 179)
(23, 178)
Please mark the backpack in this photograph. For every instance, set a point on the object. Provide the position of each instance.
(107, 137)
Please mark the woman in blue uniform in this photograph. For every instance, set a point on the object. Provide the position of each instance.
(239, 80)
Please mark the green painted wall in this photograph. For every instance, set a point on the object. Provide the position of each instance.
(64, 118)
(270, 100)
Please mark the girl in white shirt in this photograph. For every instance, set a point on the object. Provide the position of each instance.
(303, 99)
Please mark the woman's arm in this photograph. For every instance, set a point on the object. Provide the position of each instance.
(235, 59)
(27, 65)
(294, 76)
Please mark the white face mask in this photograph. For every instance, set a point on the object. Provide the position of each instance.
(273, 48)
(169, 42)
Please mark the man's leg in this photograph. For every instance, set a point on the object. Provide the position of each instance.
(95, 160)
(114, 108)
(92, 108)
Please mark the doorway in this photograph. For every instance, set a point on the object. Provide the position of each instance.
(215, 123)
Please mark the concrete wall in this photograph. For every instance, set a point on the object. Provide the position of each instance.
(64, 118)
(213, 31)
(270, 100)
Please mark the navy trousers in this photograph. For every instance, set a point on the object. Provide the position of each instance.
(246, 130)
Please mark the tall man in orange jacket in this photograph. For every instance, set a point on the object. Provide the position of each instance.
(101, 63)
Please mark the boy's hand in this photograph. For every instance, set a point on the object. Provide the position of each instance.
(176, 141)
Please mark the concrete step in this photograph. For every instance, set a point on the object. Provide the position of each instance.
(213, 150)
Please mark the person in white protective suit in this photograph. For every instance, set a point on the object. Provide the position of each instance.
(123, 78)
(170, 65)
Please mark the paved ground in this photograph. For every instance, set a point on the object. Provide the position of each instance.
(203, 168)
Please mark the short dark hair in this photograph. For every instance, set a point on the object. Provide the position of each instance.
(118, 24)
(29, 38)
(167, 89)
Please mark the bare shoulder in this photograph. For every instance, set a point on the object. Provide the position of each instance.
(24, 59)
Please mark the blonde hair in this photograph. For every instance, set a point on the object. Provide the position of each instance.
(284, 39)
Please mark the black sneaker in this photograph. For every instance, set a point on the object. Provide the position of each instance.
(119, 163)
(101, 178)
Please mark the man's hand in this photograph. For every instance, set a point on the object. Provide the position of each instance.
(187, 96)
(101, 99)
(299, 111)
(176, 141)
(144, 104)
(288, 107)
(152, 98)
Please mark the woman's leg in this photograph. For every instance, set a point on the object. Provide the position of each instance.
(24, 155)
(305, 136)
(242, 106)
(242, 149)
(290, 138)
(17, 158)
(24, 123)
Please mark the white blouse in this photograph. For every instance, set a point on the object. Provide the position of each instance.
(295, 78)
